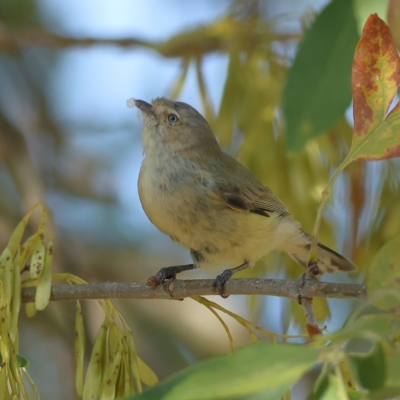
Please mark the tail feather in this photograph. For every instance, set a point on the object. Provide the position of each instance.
(328, 260)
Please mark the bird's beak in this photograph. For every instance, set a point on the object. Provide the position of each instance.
(146, 108)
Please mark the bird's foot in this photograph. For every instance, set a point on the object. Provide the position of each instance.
(221, 280)
(167, 274)
(312, 269)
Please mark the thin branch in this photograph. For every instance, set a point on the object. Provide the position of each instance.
(292, 288)
(181, 45)
(14, 40)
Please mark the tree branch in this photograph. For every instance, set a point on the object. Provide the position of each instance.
(291, 288)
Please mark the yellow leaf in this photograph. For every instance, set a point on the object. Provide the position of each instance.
(79, 348)
(147, 375)
(30, 310)
(43, 290)
(94, 371)
(37, 260)
(111, 376)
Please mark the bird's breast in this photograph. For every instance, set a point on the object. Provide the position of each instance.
(170, 193)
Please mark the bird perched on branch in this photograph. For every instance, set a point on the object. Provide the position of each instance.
(210, 203)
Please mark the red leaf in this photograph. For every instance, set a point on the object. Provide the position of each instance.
(375, 79)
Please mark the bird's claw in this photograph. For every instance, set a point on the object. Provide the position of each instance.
(220, 282)
(161, 276)
(313, 269)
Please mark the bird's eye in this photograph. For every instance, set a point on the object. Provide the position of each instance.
(172, 118)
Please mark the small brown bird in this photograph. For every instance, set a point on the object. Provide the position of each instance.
(210, 203)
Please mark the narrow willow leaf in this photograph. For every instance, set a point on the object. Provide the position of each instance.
(5, 355)
(134, 361)
(252, 369)
(15, 303)
(43, 289)
(15, 239)
(374, 327)
(124, 382)
(94, 371)
(225, 121)
(147, 375)
(318, 88)
(7, 277)
(371, 368)
(30, 310)
(79, 348)
(22, 361)
(345, 369)
(2, 299)
(336, 388)
(111, 376)
(37, 260)
(384, 276)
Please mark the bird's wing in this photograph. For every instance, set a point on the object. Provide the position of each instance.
(246, 193)
(262, 203)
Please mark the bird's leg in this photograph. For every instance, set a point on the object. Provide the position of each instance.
(167, 273)
(313, 269)
(221, 279)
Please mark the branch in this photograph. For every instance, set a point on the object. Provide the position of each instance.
(188, 44)
(291, 288)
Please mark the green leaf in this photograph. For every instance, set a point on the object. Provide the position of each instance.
(318, 88)
(256, 368)
(336, 389)
(374, 327)
(393, 368)
(371, 368)
(22, 361)
(321, 388)
(384, 277)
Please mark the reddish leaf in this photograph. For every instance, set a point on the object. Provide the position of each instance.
(375, 78)
(393, 19)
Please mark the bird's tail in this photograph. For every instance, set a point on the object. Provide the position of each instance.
(328, 260)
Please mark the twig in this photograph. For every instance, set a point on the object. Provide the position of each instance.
(291, 288)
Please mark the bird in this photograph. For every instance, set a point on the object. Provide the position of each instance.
(211, 204)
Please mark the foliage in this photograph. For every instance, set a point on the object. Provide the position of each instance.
(114, 368)
(359, 361)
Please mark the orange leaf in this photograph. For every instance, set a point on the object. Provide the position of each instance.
(375, 78)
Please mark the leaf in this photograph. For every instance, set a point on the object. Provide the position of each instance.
(111, 376)
(94, 371)
(318, 92)
(43, 290)
(393, 19)
(146, 374)
(22, 361)
(336, 389)
(79, 348)
(393, 366)
(384, 276)
(375, 78)
(37, 260)
(256, 368)
(374, 327)
(371, 369)
(7, 277)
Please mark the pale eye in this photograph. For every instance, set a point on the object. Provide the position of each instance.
(172, 118)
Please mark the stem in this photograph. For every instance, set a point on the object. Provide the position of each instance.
(325, 196)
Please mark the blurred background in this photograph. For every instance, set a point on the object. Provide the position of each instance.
(68, 140)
